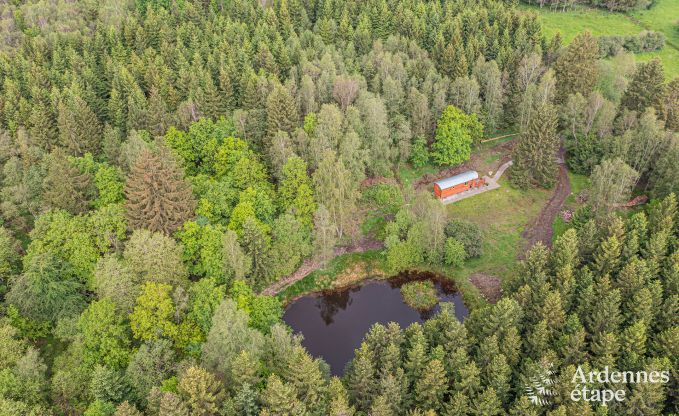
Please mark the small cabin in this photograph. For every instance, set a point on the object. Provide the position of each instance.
(458, 183)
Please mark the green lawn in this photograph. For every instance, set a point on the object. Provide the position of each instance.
(571, 23)
(502, 214)
(661, 17)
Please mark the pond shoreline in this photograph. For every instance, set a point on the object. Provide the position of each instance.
(446, 282)
(334, 322)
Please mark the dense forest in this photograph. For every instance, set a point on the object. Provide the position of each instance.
(163, 162)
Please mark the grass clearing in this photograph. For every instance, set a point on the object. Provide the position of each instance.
(502, 215)
(578, 183)
(661, 17)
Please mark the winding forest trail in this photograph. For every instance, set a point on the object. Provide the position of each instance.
(540, 229)
(310, 265)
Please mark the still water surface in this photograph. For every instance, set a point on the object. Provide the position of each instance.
(334, 323)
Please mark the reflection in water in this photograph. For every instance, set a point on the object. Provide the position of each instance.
(334, 323)
(330, 303)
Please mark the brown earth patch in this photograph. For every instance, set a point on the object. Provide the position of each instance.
(489, 286)
(310, 265)
(540, 229)
(476, 162)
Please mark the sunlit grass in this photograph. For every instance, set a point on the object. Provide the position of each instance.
(661, 17)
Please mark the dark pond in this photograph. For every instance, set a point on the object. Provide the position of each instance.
(334, 323)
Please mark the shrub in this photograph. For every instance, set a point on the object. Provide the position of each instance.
(468, 234)
(455, 253)
(420, 295)
(584, 153)
(646, 41)
(419, 155)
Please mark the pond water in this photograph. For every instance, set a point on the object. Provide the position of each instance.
(334, 323)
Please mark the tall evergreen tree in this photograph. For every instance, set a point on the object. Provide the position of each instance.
(535, 153)
(647, 88)
(577, 68)
(65, 186)
(158, 197)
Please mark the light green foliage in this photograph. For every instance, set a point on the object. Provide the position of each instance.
(100, 408)
(202, 392)
(204, 297)
(155, 257)
(152, 363)
(290, 245)
(153, 316)
(263, 311)
(114, 280)
(454, 252)
(455, 133)
(9, 256)
(67, 237)
(229, 335)
(203, 250)
(419, 155)
(198, 146)
(295, 190)
(420, 295)
(105, 335)
(110, 185)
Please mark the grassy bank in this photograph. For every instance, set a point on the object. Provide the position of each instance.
(578, 183)
(501, 214)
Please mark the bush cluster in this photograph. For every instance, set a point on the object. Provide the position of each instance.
(420, 295)
(646, 41)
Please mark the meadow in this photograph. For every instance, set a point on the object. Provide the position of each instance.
(661, 17)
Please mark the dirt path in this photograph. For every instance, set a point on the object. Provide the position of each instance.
(540, 229)
(310, 265)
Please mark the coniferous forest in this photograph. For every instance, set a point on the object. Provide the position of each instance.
(167, 164)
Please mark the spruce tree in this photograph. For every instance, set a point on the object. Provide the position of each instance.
(432, 386)
(577, 68)
(671, 105)
(65, 186)
(158, 196)
(279, 398)
(281, 110)
(535, 153)
(79, 128)
(647, 88)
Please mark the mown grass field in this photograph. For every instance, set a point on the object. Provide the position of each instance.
(661, 17)
(502, 214)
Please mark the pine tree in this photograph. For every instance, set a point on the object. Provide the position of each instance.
(607, 257)
(487, 404)
(535, 152)
(338, 401)
(360, 379)
(647, 88)
(577, 68)
(245, 401)
(158, 197)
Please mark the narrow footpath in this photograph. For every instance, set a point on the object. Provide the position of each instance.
(540, 229)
